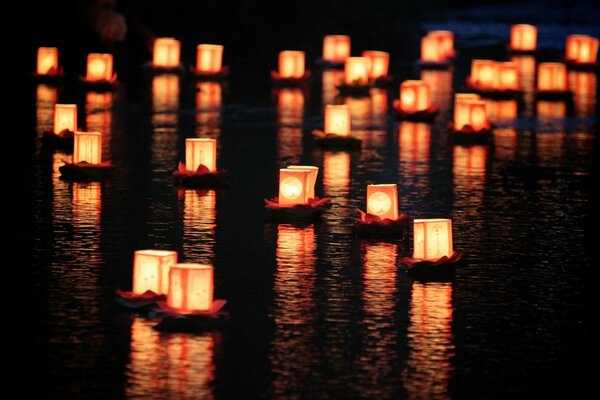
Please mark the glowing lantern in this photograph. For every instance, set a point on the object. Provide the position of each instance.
(432, 239)
(166, 52)
(507, 76)
(523, 37)
(437, 46)
(469, 109)
(483, 73)
(379, 62)
(337, 119)
(47, 60)
(312, 177)
(201, 151)
(190, 287)
(552, 77)
(414, 96)
(151, 270)
(336, 48)
(445, 40)
(99, 67)
(356, 71)
(209, 58)
(291, 64)
(65, 117)
(294, 186)
(581, 49)
(87, 147)
(382, 201)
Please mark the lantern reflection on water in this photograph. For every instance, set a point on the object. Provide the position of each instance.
(583, 84)
(437, 46)
(551, 109)
(552, 77)
(312, 177)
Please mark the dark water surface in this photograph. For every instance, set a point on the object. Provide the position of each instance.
(316, 312)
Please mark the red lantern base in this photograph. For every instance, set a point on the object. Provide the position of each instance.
(327, 64)
(173, 320)
(332, 141)
(468, 135)
(223, 73)
(372, 226)
(299, 212)
(289, 82)
(139, 302)
(201, 178)
(553, 95)
(440, 65)
(154, 69)
(441, 269)
(100, 85)
(84, 171)
(62, 140)
(358, 90)
(427, 115)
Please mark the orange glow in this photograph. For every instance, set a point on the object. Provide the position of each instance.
(583, 84)
(87, 147)
(336, 48)
(99, 67)
(166, 52)
(382, 201)
(165, 100)
(200, 151)
(359, 108)
(47, 60)
(469, 109)
(488, 74)
(437, 46)
(336, 173)
(337, 119)
(312, 177)
(290, 105)
(523, 37)
(87, 205)
(199, 216)
(190, 287)
(98, 115)
(551, 109)
(65, 117)
(295, 248)
(501, 109)
(440, 84)
(291, 64)
(414, 141)
(483, 73)
(415, 96)
(294, 186)
(552, 77)
(330, 79)
(432, 239)
(45, 99)
(208, 108)
(379, 62)
(379, 102)
(507, 78)
(525, 72)
(469, 161)
(581, 49)
(209, 58)
(356, 71)
(151, 270)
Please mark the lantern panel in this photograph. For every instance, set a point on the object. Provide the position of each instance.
(337, 119)
(356, 71)
(415, 96)
(65, 117)
(87, 147)
(47, 60)
(99, 67)
(432, 239)
(294, 186)
(151, 270)
(523, 37)
(201, 151)
(379, 62)
(209, 58)
(552, 76)
(382, 201)
(166, 52)
(336, 48)
(190, 287)
(312, 177)
(291, 64)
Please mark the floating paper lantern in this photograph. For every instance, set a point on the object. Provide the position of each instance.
(47, 60)
(470, 110)
(291, 64)
(312, 177)
(209, 58)
(151, 270)
(65, 117)
(99, 67)
(190, 287)
(166, 53)
(432, 239)
(356, 71)
(382, 201)
(507, 77)
(336, 48)
(337, 119)
(437, 46)
(379, 62)
(294, 186)
(551, 77)
(201, 151)
(523, 37)
(415, 96)
(581, 49)
(87, 147)
(483, 73)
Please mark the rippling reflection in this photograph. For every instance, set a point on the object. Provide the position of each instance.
(98, 117)
(526, 76)
(368, 111)
(551, 109)
(199, 215)
(330, 80)
(46, 97)
(414, 141)
(165, 100)
(501, 109)
(173, 366)
(505, 143)
(430, 341)
(294, 310)
(583, 84)
(208, 109)
(290, 109)
(440, 83)
(469, 178)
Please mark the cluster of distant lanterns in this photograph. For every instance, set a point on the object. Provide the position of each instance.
(189, 287)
